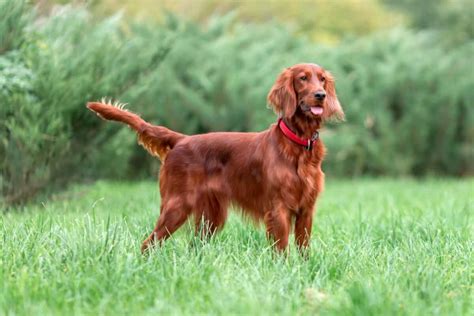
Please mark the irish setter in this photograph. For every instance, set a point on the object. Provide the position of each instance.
(273, 176)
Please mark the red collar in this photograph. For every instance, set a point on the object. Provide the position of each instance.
(307, 143)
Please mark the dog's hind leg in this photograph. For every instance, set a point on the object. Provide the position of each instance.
(211, 215)
(172, 216)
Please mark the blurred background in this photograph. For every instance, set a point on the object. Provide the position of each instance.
(404, 72)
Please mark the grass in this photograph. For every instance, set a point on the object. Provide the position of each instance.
(380, 247)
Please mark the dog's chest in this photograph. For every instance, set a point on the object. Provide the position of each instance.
(308, 171)
(301, 184)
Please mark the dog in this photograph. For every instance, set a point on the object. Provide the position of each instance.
(274, 176)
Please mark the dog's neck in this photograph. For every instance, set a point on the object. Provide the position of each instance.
(302, 125)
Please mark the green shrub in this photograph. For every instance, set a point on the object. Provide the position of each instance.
(408, 103)
(47, 74)
(407, 98)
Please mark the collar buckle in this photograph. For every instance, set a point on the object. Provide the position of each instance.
(312, 140)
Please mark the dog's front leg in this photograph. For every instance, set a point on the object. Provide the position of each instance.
(303, 226)
(278, 226)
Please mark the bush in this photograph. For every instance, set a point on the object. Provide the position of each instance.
(48, 70)
(408, 102)
(407, 98)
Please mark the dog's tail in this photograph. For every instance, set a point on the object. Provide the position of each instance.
(157, 140)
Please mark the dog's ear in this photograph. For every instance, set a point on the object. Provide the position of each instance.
(333, 109)
(282, 96)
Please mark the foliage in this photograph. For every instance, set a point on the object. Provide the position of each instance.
(376, 250)
(453, 18)
(408, 99)
(47, 73)
(408, 103)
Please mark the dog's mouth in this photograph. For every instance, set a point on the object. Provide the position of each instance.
(315, 110)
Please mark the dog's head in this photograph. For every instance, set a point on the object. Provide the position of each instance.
(305, 89)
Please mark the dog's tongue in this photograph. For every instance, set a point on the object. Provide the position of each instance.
(316, 110)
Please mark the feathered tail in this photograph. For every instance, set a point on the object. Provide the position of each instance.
(157, 140)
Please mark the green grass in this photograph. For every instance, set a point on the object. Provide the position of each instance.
(379, 247)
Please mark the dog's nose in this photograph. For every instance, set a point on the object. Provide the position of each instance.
(320, 95)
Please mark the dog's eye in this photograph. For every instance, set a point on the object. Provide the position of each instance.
(304, 78)
(323, 79)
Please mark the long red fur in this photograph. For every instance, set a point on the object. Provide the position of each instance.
(271, 178)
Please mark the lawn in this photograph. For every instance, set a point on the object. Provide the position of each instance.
(380, 247)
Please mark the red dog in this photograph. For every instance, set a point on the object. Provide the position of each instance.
(274, 175)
